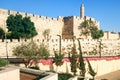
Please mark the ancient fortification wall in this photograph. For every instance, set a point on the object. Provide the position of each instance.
(110, 35)
(89, 46)
(61, 26)
(41, 22)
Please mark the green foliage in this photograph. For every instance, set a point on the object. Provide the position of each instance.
(26, 51)
(3, 62)
(73, 60)
(31, 51)
(81, 61)
(20, 27)
(43, 51)
(88, 28)
(91, 71)
(85, 28)
(93, 52)
(2, 33)
(82, 66)
(14, 24)
(96, 33)
(29, 29)
(64, 76)
(58, 59)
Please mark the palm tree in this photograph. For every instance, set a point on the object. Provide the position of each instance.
(46, 33)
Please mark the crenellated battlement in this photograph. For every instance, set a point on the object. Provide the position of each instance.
(4, 11)
(57, 40)
(35, 16)
(76, 17)
(64, 26)
(56, 24)
(110, 46)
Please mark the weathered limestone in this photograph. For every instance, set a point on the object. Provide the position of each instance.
(67, 27)
(108, 47)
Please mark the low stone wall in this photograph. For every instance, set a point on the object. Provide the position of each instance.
(50, 75)
(102, 65)
(10, 73)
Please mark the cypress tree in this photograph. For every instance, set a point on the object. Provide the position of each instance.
(81, 61)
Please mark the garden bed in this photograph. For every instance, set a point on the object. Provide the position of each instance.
(39, 75)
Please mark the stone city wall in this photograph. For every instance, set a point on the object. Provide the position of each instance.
(41, 22)
(56, 25)
(89, 47)
(110, 35)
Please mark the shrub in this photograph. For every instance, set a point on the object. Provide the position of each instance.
(3, 62)
(58, 59)
(64, 76)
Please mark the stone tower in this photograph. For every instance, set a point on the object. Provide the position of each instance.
(82, 11)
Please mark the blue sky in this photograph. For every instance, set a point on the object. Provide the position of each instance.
(107, 12)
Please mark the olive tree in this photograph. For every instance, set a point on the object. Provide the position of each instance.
(31, 51)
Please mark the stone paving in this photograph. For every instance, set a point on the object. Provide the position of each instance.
(110, 76)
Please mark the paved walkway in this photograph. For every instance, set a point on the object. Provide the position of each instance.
(110, 76)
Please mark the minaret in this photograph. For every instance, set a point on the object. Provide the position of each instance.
(82, 11)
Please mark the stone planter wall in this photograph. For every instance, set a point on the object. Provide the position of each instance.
(10, 73)
(50, 75)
